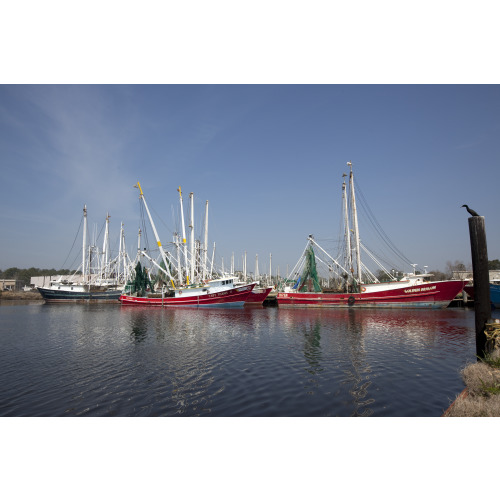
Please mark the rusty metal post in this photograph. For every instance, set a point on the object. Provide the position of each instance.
(482, 302)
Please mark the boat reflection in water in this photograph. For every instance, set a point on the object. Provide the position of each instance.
(143, 361)
(377, 360)
(344, 362)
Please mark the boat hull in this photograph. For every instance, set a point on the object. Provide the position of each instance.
(494, 293)
(234, 297)
(71, 296)
(257, 297)
(434, 295)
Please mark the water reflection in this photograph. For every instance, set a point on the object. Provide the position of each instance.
(139, 327)
(370, 348)
(312, 346)
(191, 350)
(335, 336)
(231, 362)
(358, 375)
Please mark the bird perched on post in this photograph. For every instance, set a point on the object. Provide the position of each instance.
(472, 212)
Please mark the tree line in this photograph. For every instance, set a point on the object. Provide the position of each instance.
(25, 275)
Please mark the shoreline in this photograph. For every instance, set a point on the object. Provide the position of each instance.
(481, 396)
(27, 296)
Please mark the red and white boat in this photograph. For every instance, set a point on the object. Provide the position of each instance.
(407, 293)
(360, 287)
(258, 295)
(208, 293)
(221, 292)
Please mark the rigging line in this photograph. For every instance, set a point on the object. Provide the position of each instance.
(74, 241)
(73, 264)
(379, 230)
(143, 223)
(161, 221)
(382, 258)
(174, 219)
(341, 243)
(364, 204)
(329, 256)
(99, 234)
(300, 262)
(377, 226)
(371, 218)
(369, 273)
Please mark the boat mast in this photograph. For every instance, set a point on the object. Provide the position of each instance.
(124, 256)
(138, 246)
(84, 248)
(205, 242)
(105, 250)
(184, 239)
(355, 224)
(270, 268)
(256, 267)
(163, 256)
(120, 255)
(347, 230)
(245, 267)
(191, 242)
(212, 262)
(197, 260)
(179, 264)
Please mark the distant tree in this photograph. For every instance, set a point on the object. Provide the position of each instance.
(11, 273)
(384, 276)
(451, 267)
(25, 275)
(438, 275)
(494, 265)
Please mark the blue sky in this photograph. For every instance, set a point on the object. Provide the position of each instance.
(269, 158)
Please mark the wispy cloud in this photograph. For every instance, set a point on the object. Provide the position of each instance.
(86, 148)
(472, 144)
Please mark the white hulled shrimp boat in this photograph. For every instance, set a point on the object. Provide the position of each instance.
(104, 286)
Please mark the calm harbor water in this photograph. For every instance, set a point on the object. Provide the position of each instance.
(108, 360)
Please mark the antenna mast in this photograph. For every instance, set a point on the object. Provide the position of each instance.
(355, 224)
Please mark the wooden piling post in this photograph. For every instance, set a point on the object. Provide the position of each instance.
(482, 303)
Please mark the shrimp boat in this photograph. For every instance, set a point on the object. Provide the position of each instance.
(66, 291)
(104, 285)
(358, 287)
(494, 292)
(259, 292)
(258, 295)
(220, 292)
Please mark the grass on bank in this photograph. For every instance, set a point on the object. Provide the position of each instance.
(30, 295)
(482, 398)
